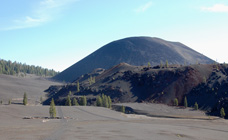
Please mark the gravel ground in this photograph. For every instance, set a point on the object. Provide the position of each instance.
(161, 110)
(97, 123)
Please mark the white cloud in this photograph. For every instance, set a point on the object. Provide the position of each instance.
(144, 7)
(216, 8)
(46, 11)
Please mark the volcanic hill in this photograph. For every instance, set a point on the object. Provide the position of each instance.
(134, 51)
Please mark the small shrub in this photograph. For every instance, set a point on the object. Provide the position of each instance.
(222, 112)
(123, 109)
(185, 102)
(175, 102)
(196, 107)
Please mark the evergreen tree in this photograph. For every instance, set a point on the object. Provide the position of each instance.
(103, 99)
(222, 112)
(123, 109)
(109, 102)
(25, 99)
(75, 102)
(105, 102)
(52, 110)
(166, 64)
(175, 102)
(185, 102)
(196, 107)
(83, 101)
(68, 101)
(161, 64)
(9, 102)
(149, 65)
(99, 101)
(78, 86)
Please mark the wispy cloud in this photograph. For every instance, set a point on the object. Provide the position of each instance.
(46, 11)
(216, 8)
(144, 7)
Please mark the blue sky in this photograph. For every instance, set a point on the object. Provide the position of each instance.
(58, 33)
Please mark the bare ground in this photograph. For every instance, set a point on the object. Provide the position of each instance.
(13, 87)
(97, 123)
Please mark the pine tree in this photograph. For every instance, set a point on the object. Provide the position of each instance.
(175, 102)
(70, 93)
(123, 109)
(161, 65)
(149, 65)
(185, 102)
(109, 102)
(106, 101)
(166, 64)
(25, 99)
(68, 101)
(196, 107)
(99, 101)
(75, 102)
(83, 101)
(222, 112)
(52, 110)
(103, 99)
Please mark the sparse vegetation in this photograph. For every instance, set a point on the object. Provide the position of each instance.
(83, 101)
(52, 110)
(25, 99)
(75, 102)
(176, 102)
(196, 107)
(99, 101)
(92, 80)
(14, 68)
(222, 112)
(166, 64)
(123, 109)
(149, 65)
(109, 102)
(68, 101)
(161, 64)
(70, 93)
(78, 86)
(185, 102)
(104, 101)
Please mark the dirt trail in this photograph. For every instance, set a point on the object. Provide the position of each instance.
(61, 127)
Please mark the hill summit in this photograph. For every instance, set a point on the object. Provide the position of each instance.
(134, 51)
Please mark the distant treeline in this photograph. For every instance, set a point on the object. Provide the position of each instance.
(15, 68)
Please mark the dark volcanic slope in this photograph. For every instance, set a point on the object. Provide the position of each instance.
(134, 51)
(205, 84)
